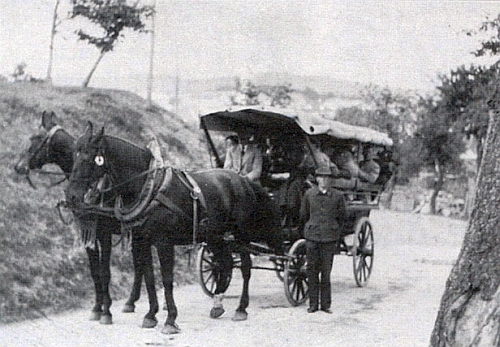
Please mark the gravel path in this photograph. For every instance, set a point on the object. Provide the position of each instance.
(413, 257)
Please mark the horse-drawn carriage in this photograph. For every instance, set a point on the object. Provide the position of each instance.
(284, 141)
(116, 186)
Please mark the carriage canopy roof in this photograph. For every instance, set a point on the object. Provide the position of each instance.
(267, 121)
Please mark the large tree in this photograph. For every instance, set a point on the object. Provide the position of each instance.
(466, 94)
(112, 17)
(469, 313)
(440, 143)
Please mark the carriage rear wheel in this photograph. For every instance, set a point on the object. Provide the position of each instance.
(362, 251)
(294, 276)
(208, 270)
(279, 268)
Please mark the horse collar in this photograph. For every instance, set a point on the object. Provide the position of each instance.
(52, 131)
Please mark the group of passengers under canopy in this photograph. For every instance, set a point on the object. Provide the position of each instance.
(286, 165)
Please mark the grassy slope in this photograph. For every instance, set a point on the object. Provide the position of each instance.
(41, 269)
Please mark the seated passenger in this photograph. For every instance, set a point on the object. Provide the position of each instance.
(245, 158)
(314, 157)
(368, 168)
(387, 167)
(348, 167)
(232, 161)
(251, 158)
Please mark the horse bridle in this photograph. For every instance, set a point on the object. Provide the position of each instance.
(45, 145)
(46, 141)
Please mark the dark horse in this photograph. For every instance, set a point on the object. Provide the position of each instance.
(55, 146)
(233, 204)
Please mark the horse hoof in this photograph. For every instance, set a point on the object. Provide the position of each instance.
(170, 329)
(128, 308)
(216, 312)
(239, 316)
(149, 323)
(106, 320)
(95, 316)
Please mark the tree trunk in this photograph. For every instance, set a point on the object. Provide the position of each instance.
(469, 314)
(89, 76)
(391, 186)
(438, 185)
(151, 58)
(51, 48)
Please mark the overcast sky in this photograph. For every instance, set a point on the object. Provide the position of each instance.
(401, 44)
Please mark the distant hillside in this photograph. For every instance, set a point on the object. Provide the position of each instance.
(323, 85)
(311, 94)
(40, 268)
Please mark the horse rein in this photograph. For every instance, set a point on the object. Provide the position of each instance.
(46, 144)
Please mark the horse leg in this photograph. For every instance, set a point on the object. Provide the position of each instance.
(93, 255)
(224, 258)
(246, 266)
(167, 259)
(135, 294)
(105, 256)
(141, 250)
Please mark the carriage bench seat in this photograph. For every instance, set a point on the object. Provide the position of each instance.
(358, 193)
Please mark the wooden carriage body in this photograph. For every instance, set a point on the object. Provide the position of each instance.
(284, 140)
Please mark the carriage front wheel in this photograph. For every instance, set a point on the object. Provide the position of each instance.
(208, 270)
(294, 276)
(362, 251)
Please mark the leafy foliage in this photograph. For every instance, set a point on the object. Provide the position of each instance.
(437, 133)
(248, 93)
(490, 46)
(467, 96)
(394, 114)
(440, 140)
(113, 16)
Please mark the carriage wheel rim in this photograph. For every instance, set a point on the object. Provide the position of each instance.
(205, 266)
(363, 253)
(295, 279)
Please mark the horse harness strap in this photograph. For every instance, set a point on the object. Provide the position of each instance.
(52, 131)
(193, 187)
(197, 196)
(46, 144)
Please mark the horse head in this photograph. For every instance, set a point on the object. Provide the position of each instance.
(89, 166)
(52, 145)
(102, 158)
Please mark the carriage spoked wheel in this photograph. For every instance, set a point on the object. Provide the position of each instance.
(294, 276)
(279, 268)
(362, 251)
(208, 270)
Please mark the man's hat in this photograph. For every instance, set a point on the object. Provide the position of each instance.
(323, 171)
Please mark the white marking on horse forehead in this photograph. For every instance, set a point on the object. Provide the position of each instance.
(99, 160)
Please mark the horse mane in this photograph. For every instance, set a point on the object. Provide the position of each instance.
(127, 142)
(125, 149)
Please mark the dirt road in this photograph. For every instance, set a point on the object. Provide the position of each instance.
(413, 257)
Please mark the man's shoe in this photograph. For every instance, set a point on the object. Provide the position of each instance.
(312, 309)
(327, 310)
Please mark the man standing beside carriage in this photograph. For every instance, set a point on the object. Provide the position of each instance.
(322, 213)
